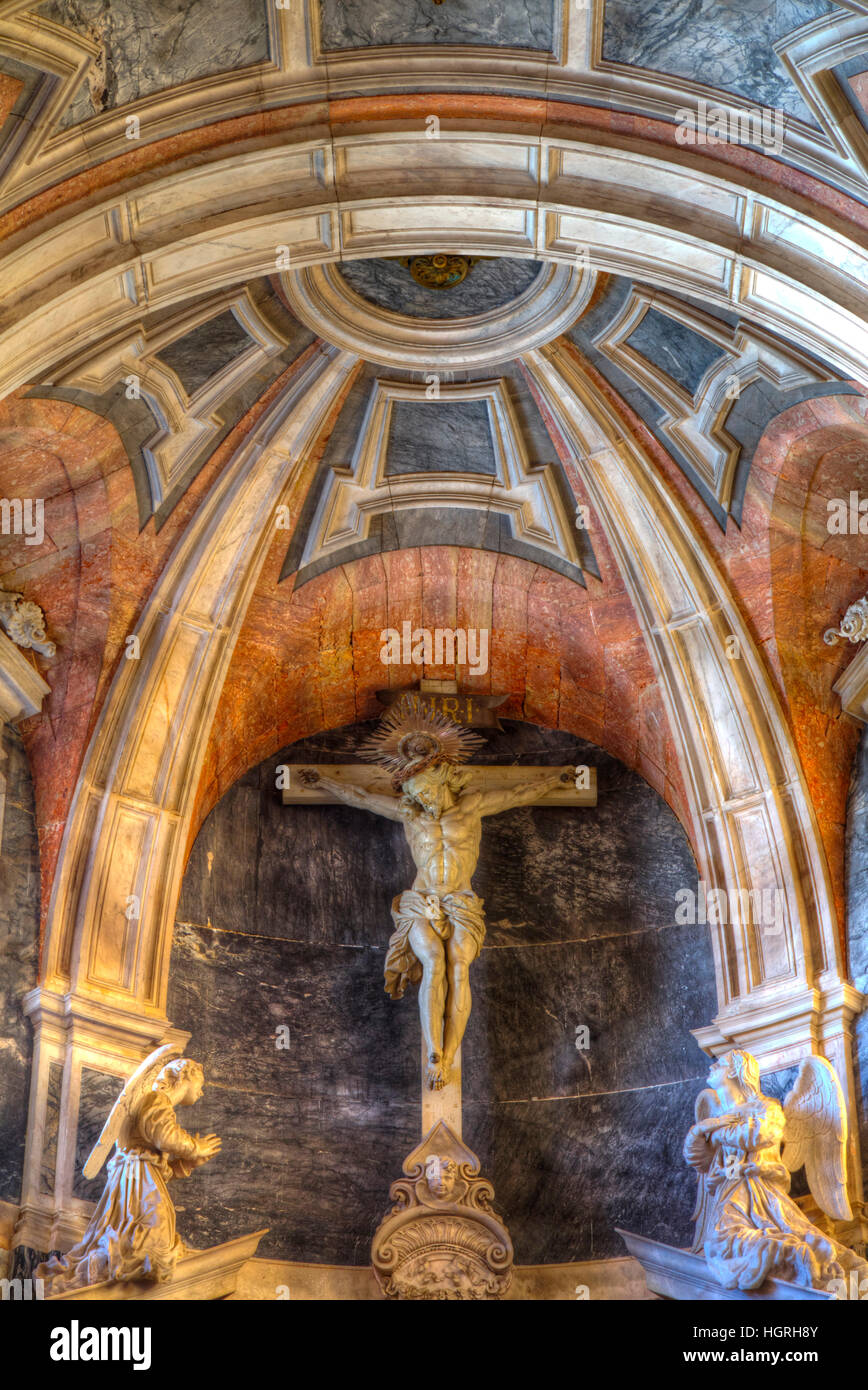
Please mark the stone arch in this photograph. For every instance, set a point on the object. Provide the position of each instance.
(580, 932)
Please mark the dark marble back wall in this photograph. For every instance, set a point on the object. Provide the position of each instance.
(284, 919)
(19, 939)
(857, 925)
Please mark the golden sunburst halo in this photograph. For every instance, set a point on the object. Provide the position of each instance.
(412, 737)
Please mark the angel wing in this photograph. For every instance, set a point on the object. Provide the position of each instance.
(816, 1135)
(140, 1081)
(707, 1104)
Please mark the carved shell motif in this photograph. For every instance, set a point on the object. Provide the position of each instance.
(446, 1257)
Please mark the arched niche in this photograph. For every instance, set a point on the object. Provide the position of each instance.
(284, 920)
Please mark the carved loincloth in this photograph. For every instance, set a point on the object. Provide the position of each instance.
(457, 910)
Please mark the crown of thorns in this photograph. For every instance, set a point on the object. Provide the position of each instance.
(413, 737)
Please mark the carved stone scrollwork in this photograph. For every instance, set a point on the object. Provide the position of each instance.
(442, 1239)
(854, 625)
(24, 621)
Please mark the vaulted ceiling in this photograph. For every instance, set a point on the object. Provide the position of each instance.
(625, 419)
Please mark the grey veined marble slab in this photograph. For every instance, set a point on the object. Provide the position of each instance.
(721, 43)
(673, 347)
(490, 284)
(497, 23)
(440, 437)
(19, 940)
(151, 45)
(204, 351)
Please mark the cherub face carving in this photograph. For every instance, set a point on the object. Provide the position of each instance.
(441, 1175)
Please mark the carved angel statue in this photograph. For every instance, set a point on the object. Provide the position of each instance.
(132, 1231)
(747, 1225)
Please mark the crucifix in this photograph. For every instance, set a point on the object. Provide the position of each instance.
(439, 924)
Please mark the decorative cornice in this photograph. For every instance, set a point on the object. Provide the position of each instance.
(94, 1023)
(46, 154)
(22, 689)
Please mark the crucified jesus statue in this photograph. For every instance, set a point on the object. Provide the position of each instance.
(439, 922)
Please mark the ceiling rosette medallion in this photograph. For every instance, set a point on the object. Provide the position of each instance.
(439, 272)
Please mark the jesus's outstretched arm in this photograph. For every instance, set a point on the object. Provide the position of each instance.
(379, 802)
(505, 798)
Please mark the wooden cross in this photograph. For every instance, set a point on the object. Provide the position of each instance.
(444, 1104)
(298, 789)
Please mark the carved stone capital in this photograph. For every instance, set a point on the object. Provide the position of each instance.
(24, 621)
(442, 1239)
(854, 625)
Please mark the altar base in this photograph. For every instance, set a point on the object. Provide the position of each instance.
(679, 1274)
(199, 1275)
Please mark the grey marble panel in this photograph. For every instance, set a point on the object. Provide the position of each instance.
(99, 1091)
(137, 424)
(676, 349)
(417, 526)
(584, 333)
(778, 1084)
(489, 284)
(206, 350)
(466, 526)
(446, 525)
(310, 1132)
(723, 43)
(440, 437)
(151, 45)
(529, 1001)
(19, 937)
(497, 23)
(25, 1261)
(857, 867)
(580, 904)
(52, 1126)
(748, 419)
(753, 412)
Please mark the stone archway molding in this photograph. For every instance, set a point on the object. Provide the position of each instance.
(69, 289)
(101, 1003)
(783, 991)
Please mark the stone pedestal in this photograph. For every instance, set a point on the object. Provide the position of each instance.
(442, 1240)
(199, 1275)
(679, 1274)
